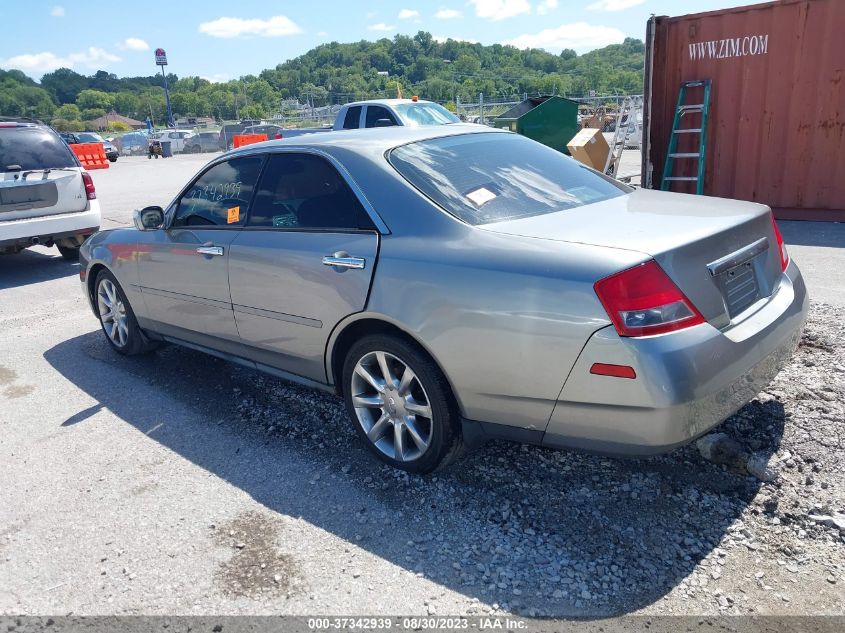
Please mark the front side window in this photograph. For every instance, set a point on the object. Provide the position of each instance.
(220, 196)
(352, 118)
(378, 116)
(493, 177)
(303, 191)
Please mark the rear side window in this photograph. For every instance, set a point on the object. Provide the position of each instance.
(353, 116)
(493, 177)
(220, 196)
(303, 191)
(33, 148)
(378, 116)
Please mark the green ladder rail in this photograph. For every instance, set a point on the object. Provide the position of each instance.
(683, 109)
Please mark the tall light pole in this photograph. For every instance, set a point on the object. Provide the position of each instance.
(161, 60)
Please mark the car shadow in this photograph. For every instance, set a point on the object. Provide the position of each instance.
(803, 233)
(540, 532)
(34, 266)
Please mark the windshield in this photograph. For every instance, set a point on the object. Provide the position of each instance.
(492, 177)
(89, 137)
(416, 114)
(33, 148)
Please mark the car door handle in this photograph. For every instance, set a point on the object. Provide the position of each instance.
(344, 262)
(210, 250)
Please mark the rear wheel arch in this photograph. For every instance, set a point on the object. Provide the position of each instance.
(353, 331)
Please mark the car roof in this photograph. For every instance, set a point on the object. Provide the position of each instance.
(390, 102)
(371, 140)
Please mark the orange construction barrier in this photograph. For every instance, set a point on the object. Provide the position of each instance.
(239, 140)
(91, 155)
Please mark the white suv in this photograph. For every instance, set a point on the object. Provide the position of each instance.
(46, 196)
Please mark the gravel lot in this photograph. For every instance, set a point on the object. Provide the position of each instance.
(180, 484)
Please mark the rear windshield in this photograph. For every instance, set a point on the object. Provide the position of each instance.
(90, 137)
(492, 177)
(33, 148)
(415, 114)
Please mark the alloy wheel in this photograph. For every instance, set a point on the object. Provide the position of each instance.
(112, 313)
(391, 406)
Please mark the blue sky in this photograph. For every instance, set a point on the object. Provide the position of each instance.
(224, 40)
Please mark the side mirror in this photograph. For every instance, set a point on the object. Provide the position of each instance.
(149, 218)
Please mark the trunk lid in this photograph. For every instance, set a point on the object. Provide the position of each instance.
(721, 253)
(37, 193)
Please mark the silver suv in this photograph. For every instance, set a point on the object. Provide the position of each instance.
(46, 196)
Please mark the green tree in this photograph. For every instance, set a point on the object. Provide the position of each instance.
(69, 112)
(89, 99)
(64, 84)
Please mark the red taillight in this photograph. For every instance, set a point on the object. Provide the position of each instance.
(642, 301)
(784, 256)
(278, 135)
(90, 192)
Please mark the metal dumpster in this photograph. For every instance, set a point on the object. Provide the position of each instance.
(550, 120)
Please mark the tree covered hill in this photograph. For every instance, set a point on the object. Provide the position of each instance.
(335, 73)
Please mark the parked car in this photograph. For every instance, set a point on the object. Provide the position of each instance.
(134, 144)
(229, 130)
(93, 137)
(70, 138)
(271, 131)
(201, 142)
(46, 196)
(460, 283)
(176, 138)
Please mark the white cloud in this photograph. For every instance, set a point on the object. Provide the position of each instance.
(407, 14)
(448, 14)
(500, 9)
(57, 12)
(46, 61)
(133, 44)
(545, 6)
(216, 78)
(578, 35)
(440, 39)
(381, 26)
(228, 28)
(322, 33)
(614, 5)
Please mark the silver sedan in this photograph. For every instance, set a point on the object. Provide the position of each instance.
(457, 284)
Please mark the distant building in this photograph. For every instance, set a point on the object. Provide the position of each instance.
(101, 123)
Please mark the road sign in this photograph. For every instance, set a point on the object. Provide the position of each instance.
(161, 57)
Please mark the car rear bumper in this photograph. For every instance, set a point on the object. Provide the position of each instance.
(47, 229)
(687, 382)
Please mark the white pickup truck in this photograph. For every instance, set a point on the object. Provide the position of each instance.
(382, 113)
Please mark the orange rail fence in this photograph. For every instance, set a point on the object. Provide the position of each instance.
(91, 155)
(239, 140)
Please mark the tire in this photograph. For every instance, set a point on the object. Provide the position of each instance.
(150, 156)
(70, 253)
(113, 160)
(429, 429)
(128, 339)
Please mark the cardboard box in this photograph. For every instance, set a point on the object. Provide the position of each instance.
(589, 147)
